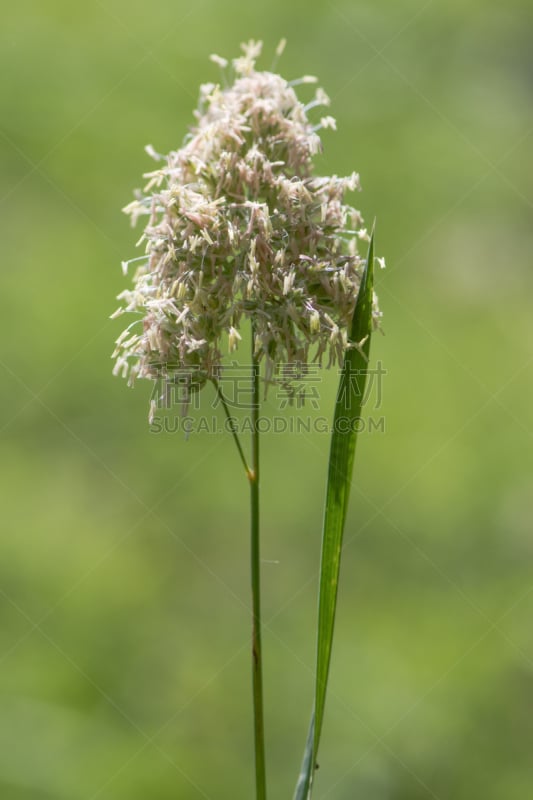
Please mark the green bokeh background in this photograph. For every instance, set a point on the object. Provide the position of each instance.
(124, 664)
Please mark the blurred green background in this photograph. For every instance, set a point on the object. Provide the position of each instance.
(124, 664)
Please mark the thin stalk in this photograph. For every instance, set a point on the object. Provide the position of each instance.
(232, 428)
(257, 660)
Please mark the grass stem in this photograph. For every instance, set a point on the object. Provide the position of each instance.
(257, 660)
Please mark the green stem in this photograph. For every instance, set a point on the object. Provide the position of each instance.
(257, 661)
(231, 423)
(252, 473)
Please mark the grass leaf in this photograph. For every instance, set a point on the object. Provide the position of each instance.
(347, 412)
(303, 786)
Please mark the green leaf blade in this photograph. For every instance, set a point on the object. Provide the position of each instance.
(342, 453)
(303, 786)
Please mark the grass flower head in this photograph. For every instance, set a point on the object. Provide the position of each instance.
(238, 227)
